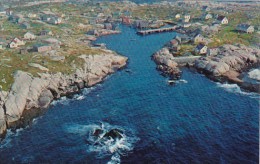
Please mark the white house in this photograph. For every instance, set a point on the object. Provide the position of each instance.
(245, 28)
(222, 20)
(201, 49)
(55, 20)
(178, 16)
(32, 15)
(198, 38)
(29, 36)
(16, 43)
(186, 18)
(207, 16)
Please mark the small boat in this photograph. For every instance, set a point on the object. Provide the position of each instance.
(171, 82)
(132, 39)
(128, 71)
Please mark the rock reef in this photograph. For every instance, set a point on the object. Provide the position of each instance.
(230, 63)
(166, 64)
(29, 95)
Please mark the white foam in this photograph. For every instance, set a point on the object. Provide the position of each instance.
(65, 101)
(6, 142)
(104, 147)
(115, 159)
(234, 88)
(79, 129)
(183, 81)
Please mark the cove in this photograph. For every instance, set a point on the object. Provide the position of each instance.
(193, 122)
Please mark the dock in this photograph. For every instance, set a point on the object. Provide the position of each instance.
(158, 30)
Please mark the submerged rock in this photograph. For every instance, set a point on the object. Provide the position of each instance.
(114, 134)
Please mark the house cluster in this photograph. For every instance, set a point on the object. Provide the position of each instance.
(145, 24)
(5, 12)
(20, 20)
(51, 19)
(44, 45)
(16, 42)
(186, 18)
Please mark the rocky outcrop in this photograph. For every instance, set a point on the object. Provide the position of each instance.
(165, 63)
(229, 63)
(30, 93)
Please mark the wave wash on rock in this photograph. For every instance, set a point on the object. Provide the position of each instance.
(29, 95)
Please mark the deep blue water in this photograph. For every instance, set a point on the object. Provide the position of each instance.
(194, 122)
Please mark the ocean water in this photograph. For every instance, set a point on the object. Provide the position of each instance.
(195, 121)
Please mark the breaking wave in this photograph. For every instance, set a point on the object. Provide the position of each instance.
(65, 100)
(105, 140)
(10, 134)
(234, 88)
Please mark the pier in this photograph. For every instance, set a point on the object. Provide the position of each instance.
(158, 30)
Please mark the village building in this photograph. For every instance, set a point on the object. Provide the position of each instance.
(156, 24)
(205, 8)
(1, 46)
(141, 24)
(201, 49)
(16, 19)
(174, 45)
(32, 15)
(245, 28)
(46, 32)
(222, 19)
(100, 15)
(46, 18)
(9, 12)
(198, 38)
(55, 20)
(25, 25)
(126, 20)
(16, 42)
(186, 18)
(23, 51)
(109, 19)
(213, 51)
(29, 36)
(42, 48)
(108, 26)
(207, 16)
(178, 16)
(93, 32)
(178, 38)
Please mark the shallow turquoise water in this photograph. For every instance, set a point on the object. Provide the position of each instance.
(196, 121)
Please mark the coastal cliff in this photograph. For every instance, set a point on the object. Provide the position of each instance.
(231, 63)
(30, 95)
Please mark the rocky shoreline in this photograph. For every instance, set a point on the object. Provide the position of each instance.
(237, 64)
(30, 96)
